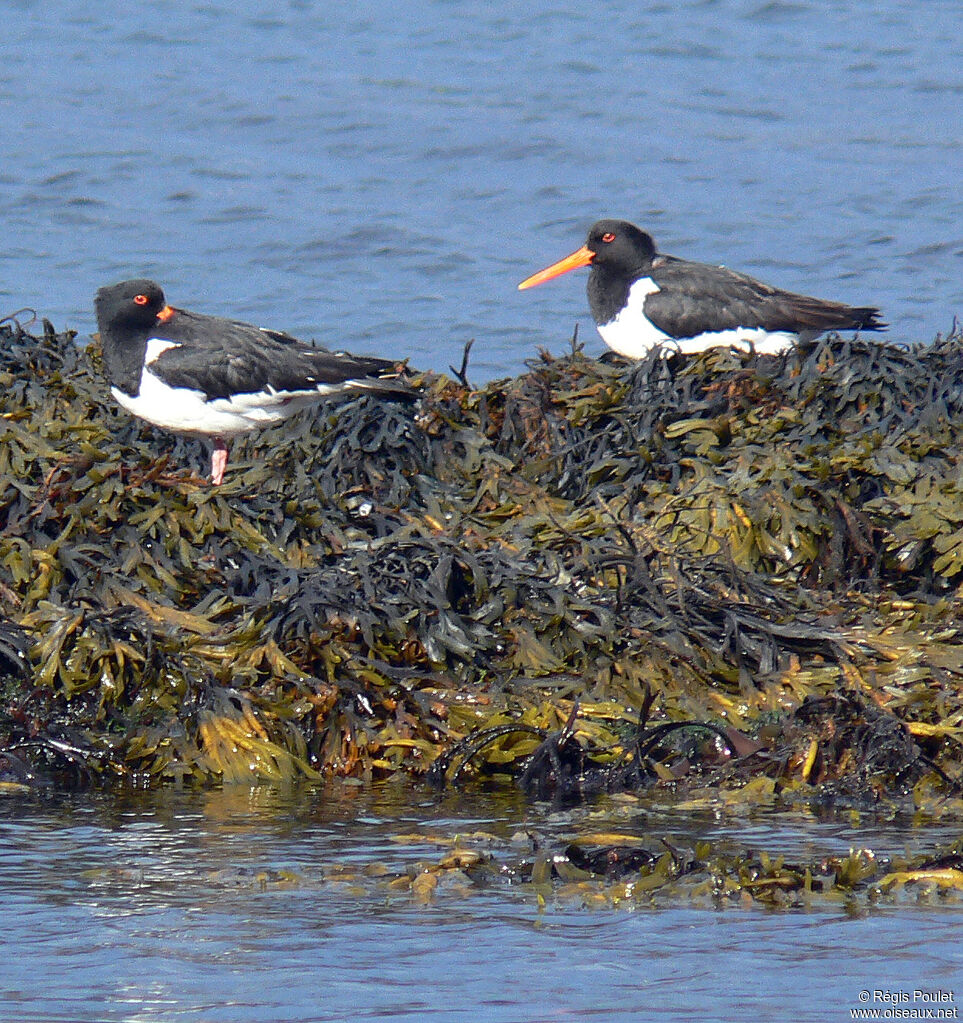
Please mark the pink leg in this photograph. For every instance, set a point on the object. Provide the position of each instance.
(218, 461)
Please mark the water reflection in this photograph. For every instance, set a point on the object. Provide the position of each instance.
(263, 904)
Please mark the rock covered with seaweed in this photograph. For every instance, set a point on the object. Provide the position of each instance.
(553, 578)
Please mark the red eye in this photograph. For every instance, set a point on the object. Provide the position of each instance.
(608, 237)
(141, 299)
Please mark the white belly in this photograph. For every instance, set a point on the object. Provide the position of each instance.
(633, 334)
(186, 411)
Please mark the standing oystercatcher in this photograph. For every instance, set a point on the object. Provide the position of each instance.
(214, 377)
(641, 298)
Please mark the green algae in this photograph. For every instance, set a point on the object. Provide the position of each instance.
(619, 872)
(768, 548)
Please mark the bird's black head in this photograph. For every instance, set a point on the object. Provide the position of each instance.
(615, 248)
(620, 247)
(132, 305)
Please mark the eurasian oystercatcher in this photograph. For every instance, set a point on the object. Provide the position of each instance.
(214, 377)
(641, 298)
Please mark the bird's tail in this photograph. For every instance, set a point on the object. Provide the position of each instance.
(384, 378)
(867, 318)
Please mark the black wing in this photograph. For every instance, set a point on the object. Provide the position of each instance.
(224, 357)
(693, 294)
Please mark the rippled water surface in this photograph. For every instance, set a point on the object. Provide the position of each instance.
(225, 906)
(380, 177)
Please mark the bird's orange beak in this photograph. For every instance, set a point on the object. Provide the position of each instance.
(581, 257)
(166, 313)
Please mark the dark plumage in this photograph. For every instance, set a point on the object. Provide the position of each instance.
(215, 377)
(640, 298)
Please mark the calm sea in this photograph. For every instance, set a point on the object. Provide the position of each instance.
(380, 177)
(228, 907)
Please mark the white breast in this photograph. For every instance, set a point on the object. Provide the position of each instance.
(632, 333)
(156, 346)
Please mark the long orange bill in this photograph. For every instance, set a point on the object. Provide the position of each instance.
(166, 313)
(582, 257)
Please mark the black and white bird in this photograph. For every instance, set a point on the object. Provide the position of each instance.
(641, 298)
(214, 377)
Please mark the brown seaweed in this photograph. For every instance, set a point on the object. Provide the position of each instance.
(757, 557)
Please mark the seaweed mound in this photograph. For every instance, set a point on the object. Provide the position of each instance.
(570, 557)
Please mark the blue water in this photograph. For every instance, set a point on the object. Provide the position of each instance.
(380, 177)
(151, 908)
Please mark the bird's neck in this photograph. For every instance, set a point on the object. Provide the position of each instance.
(124, 358)
(608, 291)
